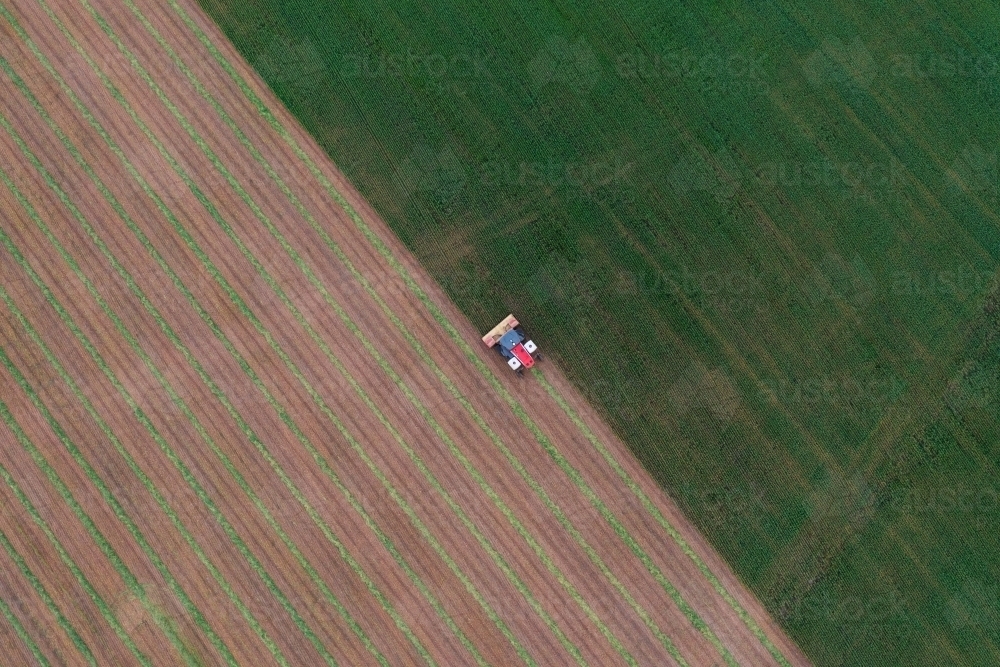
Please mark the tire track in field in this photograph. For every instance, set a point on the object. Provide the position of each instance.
(425, 413)
(453, 333)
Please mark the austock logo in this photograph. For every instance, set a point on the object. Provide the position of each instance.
(842, 610)
(294, 63)
(846, 497)
(717, 173)
(712, 71)
(863, 181)
(724, 291)
(959, 64)
(439, 72)
(834, 390)
(700, 387)
(973, 171)
(441, 175)
(606, 180)
(835, 62)
(941, 500)
(982, 68)
(975, 605)
(837, 280)
(570, 63)
(850, 63)
(961, 282)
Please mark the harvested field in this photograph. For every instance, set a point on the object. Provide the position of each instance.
(243, 426)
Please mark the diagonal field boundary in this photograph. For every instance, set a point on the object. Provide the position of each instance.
(229, 406)
(106, 612)
(478, 478)
(662, 520)
(453, 333)
(134, 343)
(296, 202)
(322, 406)
(671, 590)
(43, 594)
(173, 276)
(560, 516)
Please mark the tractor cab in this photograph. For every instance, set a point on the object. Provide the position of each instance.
(509, 339)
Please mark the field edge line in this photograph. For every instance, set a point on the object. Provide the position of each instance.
(315, 281)
(655, 512)
(387, 254)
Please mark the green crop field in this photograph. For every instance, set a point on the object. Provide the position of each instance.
(763, 240)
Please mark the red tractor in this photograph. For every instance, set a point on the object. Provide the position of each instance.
(512, 343)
